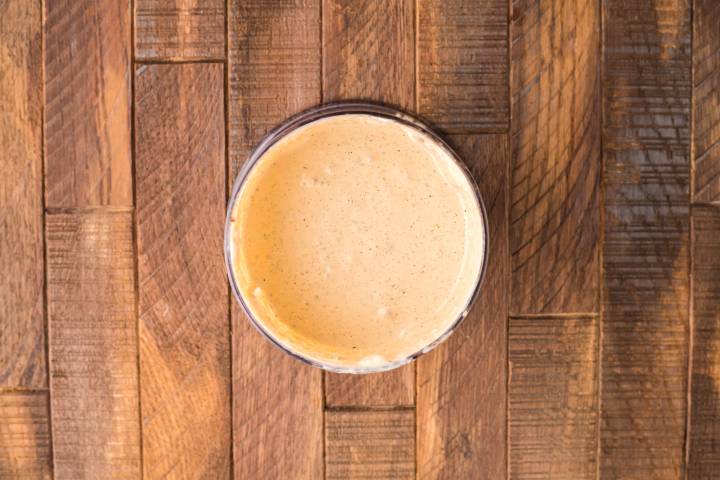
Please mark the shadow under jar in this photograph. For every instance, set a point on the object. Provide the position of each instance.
(355, 238)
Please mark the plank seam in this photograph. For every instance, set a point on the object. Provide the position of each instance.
(228, 182)
(370, 408)
(136, 272)
(177, 60)
(691, 243)
(46, 322)
(88, 209)
(601, 243)
(9, 390)
(508, 257)
(554, 315)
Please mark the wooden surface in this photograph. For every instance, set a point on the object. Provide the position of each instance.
(87, 53)
(93, 344)
(646, 91)
(184, 328)
(22, 337)
(591, 126)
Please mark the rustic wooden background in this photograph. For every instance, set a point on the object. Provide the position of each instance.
(592, 126)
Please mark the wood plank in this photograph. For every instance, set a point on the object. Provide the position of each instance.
(462, 65)
(277, 408)
(378, 445)
(87, 103)
(373, 389)
(646, 91)
(274, 68)
(274, 72)
(22, 338)
(704, 428)
(461, 385)
(93, 345)
(555, 144)
(553, 398)
(706, 100)
(184, 325)
(180, 30)
(24, 435)
(368, 53)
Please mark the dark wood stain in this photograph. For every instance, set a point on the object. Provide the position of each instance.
(704, 427)
(462, 65)
(646, 89)
(706, 100)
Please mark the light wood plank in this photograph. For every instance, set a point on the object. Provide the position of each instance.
(462, 64)
(372, 389)
(274, 67)
(555, 143)
(274, 72)
(184, 324)
(93, 345)
(180, 30)
(553, 398)
(646, 92)
(24, 436)
(461, 389)
(377, 445)
(704, 428)
(706, 100)
(22, 338)
(368, 53)
(87, 103)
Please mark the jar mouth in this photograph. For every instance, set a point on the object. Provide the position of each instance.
(293, 123)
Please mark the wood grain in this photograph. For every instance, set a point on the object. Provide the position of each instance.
(277, 409)
(374, 389)
(706, 100)
(87, 103)
(274, 67)
(555, 143)
(22, 338)
(274, 72)
(704, 428)
(180, 30)
(93, 345)
(368, 53)
(461, 385)
(24, 436)
(462, 65)
(646, 90)
(184, 325)
(377, 445)
(553, 398)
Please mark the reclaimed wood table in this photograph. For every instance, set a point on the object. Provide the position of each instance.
(592, 127)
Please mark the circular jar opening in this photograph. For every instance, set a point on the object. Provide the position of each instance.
(355, 238)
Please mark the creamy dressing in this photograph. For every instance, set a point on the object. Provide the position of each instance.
(356, 241)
